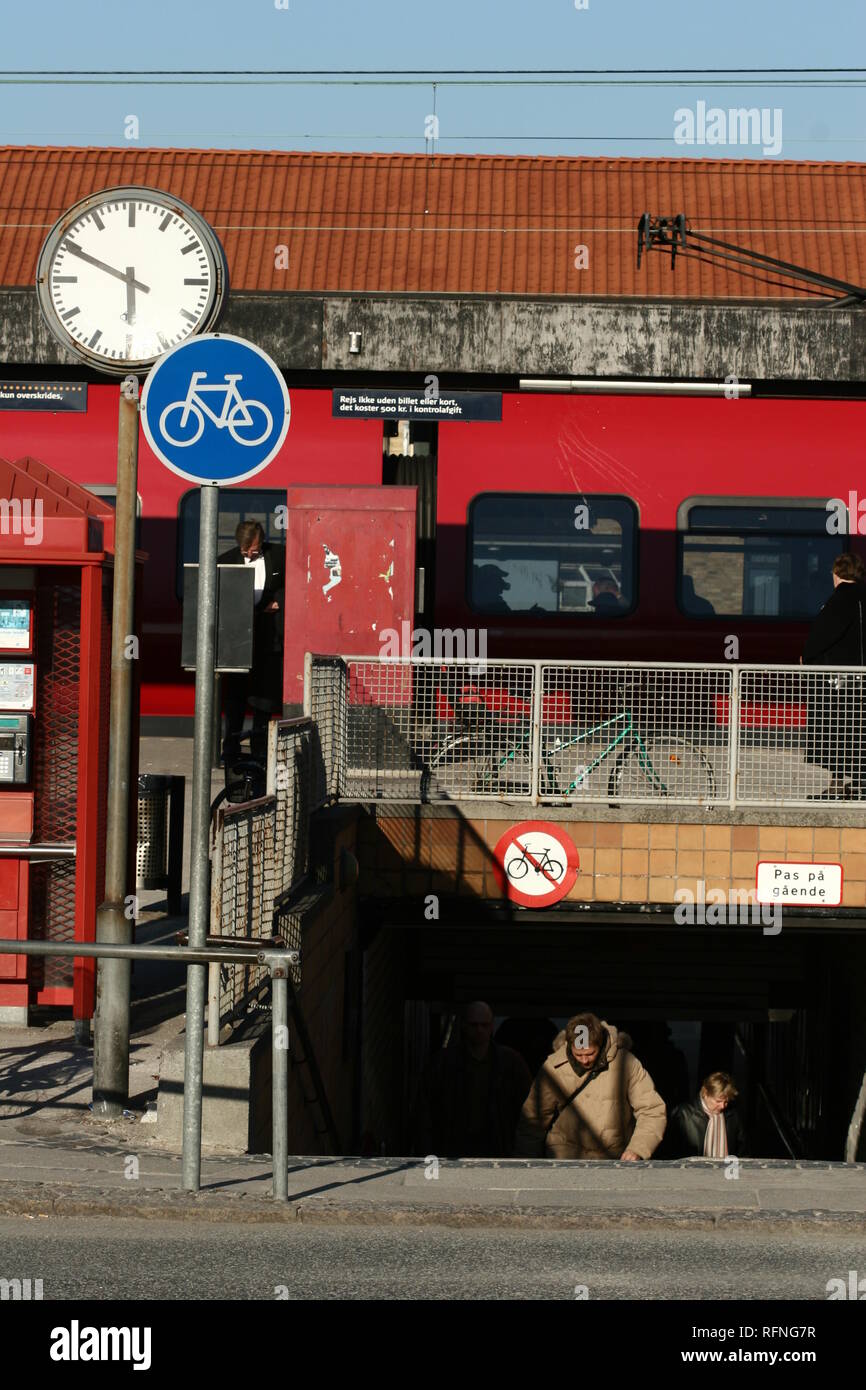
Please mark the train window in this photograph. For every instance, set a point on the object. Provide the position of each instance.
(109, 494)
(755, 557)
(235, 505)
(565, 553)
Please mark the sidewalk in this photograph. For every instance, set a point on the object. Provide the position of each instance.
(67, 1167)
(56, 1158)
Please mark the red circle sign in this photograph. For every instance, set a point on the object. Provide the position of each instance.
(535, 863)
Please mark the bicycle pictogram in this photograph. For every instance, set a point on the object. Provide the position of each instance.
(552, 869)
(236, 414)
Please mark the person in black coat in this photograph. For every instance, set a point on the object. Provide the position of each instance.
(261, 688)
(709, 1126)
(835, 727)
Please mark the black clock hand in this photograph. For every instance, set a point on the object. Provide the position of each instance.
(130, 294)
(101, 265)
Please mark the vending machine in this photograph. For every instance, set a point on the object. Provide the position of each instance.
(17, 708)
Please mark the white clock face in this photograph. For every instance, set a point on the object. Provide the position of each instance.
(130, 278)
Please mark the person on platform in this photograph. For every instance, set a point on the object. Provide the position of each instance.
(471, 1093)
(709, 1126)
(260, 688)
(591, 1099)
(835, 710)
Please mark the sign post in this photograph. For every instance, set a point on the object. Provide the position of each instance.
(215, 410)
(111, 1031)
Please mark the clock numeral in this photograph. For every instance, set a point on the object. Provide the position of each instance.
(193, 246)
(70, 312)
(65, 280)
(95, 339)
(166, 222)
(193, 318)
(132, 214)
(97, 221)
(193, 281)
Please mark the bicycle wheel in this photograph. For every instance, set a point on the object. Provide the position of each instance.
(462, 764)
(663, 767)
(512, 770)
(518, 868)
(252, 409)
(193, 433)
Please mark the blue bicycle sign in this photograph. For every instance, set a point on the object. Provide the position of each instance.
(216, 409)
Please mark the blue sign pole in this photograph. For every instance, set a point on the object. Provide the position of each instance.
(215, 410)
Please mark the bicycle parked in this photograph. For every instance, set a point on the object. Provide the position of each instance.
(486, 757)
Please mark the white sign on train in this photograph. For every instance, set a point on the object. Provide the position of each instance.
(813, 885)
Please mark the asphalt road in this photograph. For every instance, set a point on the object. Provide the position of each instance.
(101, 1258)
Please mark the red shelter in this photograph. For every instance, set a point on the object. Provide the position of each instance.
(56, 566)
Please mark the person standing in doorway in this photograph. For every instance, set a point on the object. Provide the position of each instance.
(260, 688)
(471, 1093)
(708, 1126)
(591, 1099)
(835, 715)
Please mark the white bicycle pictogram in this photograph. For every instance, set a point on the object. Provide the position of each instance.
(236, 413)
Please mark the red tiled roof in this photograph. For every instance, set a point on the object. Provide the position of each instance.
(469, 224)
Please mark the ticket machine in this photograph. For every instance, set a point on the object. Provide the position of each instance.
(17, 696)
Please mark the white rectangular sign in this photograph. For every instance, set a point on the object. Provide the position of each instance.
(812, 885)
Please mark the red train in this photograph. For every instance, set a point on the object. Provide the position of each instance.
(579, 526)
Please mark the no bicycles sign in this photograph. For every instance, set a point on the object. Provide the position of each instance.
(535, 863)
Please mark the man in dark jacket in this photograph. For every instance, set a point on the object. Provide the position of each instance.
(471, 1094)
(707, 1127)
(261, 689)
(836, 727)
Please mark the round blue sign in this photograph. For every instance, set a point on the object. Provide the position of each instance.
(215, 409)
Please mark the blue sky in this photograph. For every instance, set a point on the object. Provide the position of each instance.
(818, 122)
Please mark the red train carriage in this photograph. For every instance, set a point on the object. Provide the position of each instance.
(647, 528)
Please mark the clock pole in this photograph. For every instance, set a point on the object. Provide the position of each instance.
(111, 1021)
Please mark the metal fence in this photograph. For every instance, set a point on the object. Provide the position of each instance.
(261, 854)
(325, 701)
(612, 733)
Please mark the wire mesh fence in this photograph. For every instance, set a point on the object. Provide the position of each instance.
(325, 699)
(801, 735)
(243, 875)
(635, 733)
(611, 733)
(290, 778)
(427, 730)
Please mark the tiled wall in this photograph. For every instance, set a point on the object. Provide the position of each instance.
(620, 861)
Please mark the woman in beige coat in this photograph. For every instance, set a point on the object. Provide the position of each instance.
(616, 1112)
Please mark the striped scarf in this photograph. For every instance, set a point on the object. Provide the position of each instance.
(716, 1137)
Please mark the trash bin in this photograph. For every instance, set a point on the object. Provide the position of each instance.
(159, 847)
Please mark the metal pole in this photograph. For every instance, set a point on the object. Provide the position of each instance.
(280, 1094)
(199, 889)
(111, 1021)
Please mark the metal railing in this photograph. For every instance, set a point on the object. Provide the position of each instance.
(277, 961)
(326, 701)
(260, 855)
(581, 732)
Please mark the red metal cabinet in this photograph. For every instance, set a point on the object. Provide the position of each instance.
(350, 573)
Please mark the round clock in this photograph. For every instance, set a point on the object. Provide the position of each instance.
(127, 274)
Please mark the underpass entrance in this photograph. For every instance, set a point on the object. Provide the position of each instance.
(780, 1013)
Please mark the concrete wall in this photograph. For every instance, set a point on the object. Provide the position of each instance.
(516, 337)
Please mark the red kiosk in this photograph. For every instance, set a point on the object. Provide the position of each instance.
(56, 564)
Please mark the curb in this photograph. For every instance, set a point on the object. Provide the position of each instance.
(38, 1200)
